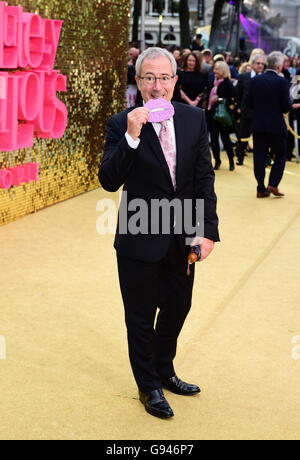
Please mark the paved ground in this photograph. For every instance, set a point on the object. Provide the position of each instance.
(66, 374)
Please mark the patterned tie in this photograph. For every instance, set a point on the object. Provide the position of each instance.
(166, 141)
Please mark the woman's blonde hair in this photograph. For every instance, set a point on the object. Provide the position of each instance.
(254, 52)
(244, 68)
(218, 57)
(223, 69)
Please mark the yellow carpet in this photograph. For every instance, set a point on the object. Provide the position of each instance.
(66, 374)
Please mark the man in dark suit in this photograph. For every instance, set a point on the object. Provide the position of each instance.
(166, 162)
(269, 99)
(245, 130)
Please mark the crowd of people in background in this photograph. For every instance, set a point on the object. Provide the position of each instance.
(221, 82)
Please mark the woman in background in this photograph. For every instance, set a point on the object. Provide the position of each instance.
(294, 64)
(192, 82)
(222, 89)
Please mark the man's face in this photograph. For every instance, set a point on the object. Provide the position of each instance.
(176, 55)
(208, 58)
(133, 53)
(258, 66)
(159, 67)
(191, 63)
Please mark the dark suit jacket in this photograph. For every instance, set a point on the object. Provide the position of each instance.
(226, 90)
(242, 89)
(145, 175)
(269, 99)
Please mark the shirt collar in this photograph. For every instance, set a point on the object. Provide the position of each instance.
(254, 74)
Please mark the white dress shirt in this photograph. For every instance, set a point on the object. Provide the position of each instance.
(254, 74)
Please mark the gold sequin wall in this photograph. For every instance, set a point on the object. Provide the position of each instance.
(92, 53)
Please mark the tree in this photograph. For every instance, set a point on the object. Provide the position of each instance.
(215, 22)
(135, 23)
(184, 20)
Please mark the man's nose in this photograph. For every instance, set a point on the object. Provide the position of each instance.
(157, 84)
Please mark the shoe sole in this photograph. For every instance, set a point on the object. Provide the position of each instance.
(158, 414)
(276, 196)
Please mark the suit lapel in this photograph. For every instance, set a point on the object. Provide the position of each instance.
(179, 136)
(149, 137)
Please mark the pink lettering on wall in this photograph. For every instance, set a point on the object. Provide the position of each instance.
(28, 102)
(18, 175)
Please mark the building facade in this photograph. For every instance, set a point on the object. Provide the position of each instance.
(168, 31)
(290, 10)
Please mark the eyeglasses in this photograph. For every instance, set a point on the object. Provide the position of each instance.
(259, 63)
(151, 80)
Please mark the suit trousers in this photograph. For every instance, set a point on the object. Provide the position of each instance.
(145, 287)
(244, 132)
(263, 141)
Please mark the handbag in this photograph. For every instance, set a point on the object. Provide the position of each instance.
(221, 115)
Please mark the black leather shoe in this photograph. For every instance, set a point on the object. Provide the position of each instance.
(156, 404)
(179, 387)
(217, 164)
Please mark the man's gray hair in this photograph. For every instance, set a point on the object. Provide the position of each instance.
(153, 53)
(256, 57)
(275, 60)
